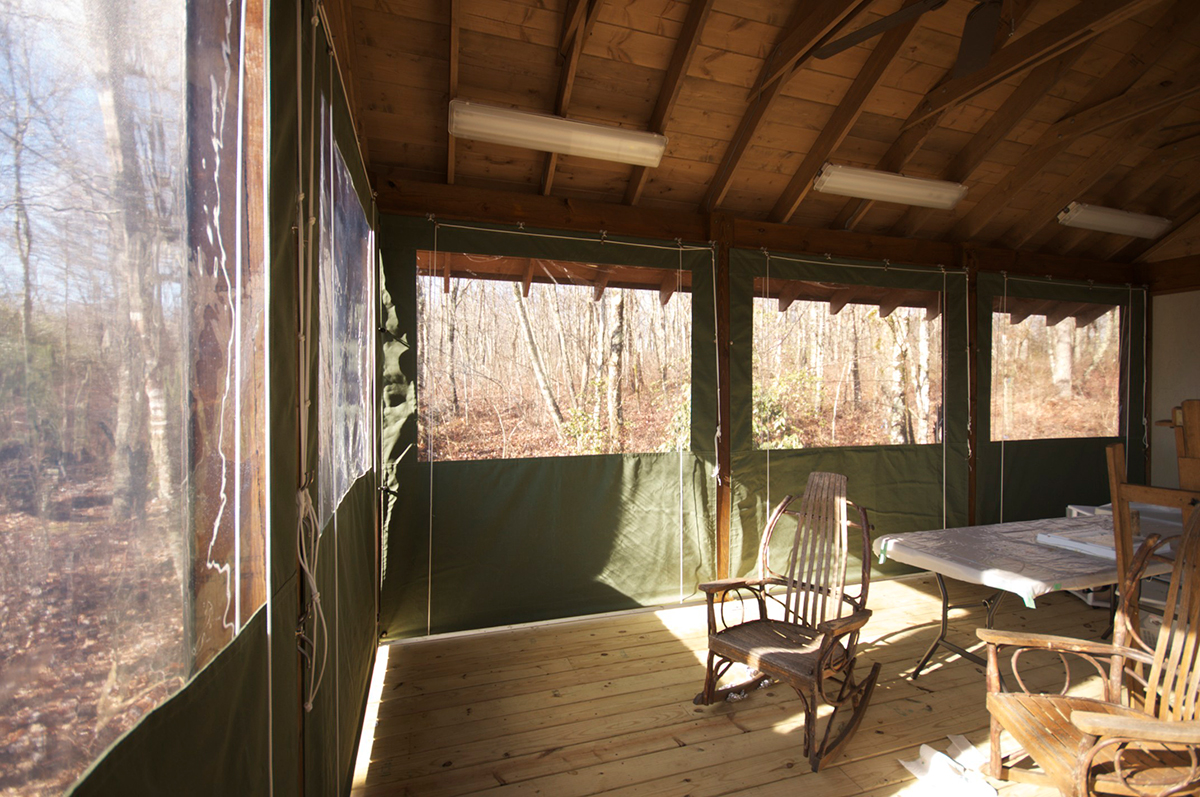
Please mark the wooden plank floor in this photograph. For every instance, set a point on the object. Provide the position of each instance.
(604, 706)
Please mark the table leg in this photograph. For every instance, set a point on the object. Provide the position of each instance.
(992, 602)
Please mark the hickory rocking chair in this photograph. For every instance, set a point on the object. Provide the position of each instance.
(811, 641)
(1142, 737)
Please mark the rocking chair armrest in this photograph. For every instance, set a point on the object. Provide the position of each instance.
(844, 625)
(994, 636)
(1143, 728)
(725, 584)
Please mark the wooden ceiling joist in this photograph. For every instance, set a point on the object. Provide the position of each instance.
(1015, 107)
(1185, 222)
(788, 294)
(834, 131)
(578, 22)
(527, 279)
(1062, 34)
(1070, 28)
(842, 298)
(667, 288)
(1062, 312)
(453, 88)
(797, 44)
(668, 95)
(814, 23)
(1124, 74)
(601, 283)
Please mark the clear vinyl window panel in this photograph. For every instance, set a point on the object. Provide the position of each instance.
(1056, 369)
(521, 357)
(842, 365)
(346, 362)
(132, 392)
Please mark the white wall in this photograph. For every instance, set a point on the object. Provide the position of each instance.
(1174, 375)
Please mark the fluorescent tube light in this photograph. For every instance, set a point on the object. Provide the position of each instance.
(888, 187)
(1122, 222)
(554, 134)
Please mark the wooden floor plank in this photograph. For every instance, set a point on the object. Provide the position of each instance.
(603, 706)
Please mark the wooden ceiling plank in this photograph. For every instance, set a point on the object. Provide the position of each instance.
(1070, 28)
(786, 53)
(668, 95)
(834, 132)
(1044, 212)
(815, 21)
(1115, 83)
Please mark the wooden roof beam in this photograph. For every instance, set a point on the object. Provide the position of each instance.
(893, 301)
(1144, 54)
(455, 5)
(788, 294)
(842, 298)
(1073, 27)
(1185, 222)
(814, 23)
(1022, 310)
(1089, 313)
(1040, 221)
(601, 282)
(1015, 107)
(786, 54)
(934, 308)
(577, 26)
(527, 279)
(1062, 312)
(681, 60)
(667, 288)
(834, 132)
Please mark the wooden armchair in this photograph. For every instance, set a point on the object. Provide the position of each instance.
(1142, 736)
(811, 643)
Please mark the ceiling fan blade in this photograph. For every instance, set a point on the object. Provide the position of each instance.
(877, 27)
(978, 37)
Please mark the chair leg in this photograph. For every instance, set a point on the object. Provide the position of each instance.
(705, 698)
(717, 667)
(858, 696)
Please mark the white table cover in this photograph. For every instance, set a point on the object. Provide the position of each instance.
(1007, 556)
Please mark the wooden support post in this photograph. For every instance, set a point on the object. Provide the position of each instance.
(721, 229)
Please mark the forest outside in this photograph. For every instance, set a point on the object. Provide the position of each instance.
(568, 359)
(1055, 374)
(859, 374)
(132, 408)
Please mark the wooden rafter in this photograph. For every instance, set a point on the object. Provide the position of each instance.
(934, 308)
(602, 277)
(578, 22)
(527, 278)
(1074, 26)
(681, 60)
(1090, 313)
(667, 288)
(814, 23)
(787, 52)
(1185, 222)
(893, 301)
(1041, 217)
(834, 131)
(789, 294)
(454, 52)
(1062, 312)
(1115, 82)
(1031, 91)
(840, 299)
(1065, 32)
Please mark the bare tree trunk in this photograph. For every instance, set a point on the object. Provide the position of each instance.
(616, 348)
(1061, 361)
(451, 328)
(539, 370)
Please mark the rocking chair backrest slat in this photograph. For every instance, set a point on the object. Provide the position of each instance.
(816, 566)
(1174, 680)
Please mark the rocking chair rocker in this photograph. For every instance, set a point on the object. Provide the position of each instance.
(1142, 737)
(812, 647)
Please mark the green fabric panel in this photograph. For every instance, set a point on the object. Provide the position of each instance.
(1040, 477)
(901, 486)
(209, 738)
(518, 541)
(282, 188)
(285, 688)
(356, 616)
(521, 540)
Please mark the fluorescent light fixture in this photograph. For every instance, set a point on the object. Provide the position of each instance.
(554, 134)
(1122, 222)
(888, 187)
